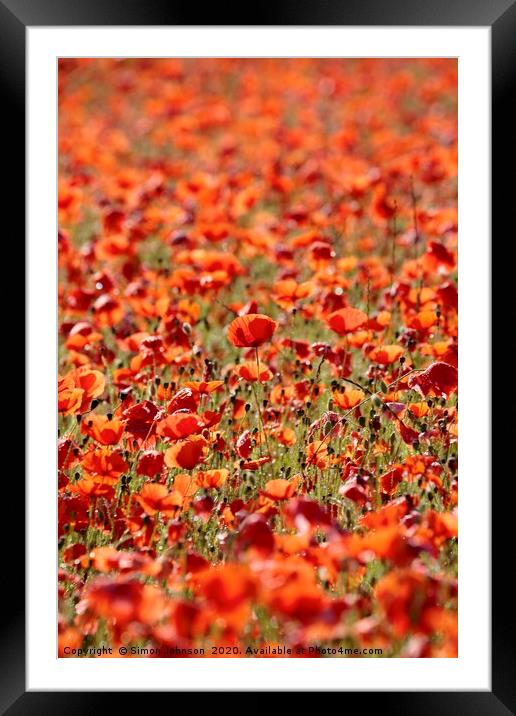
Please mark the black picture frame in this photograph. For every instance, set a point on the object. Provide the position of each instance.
(500, 15)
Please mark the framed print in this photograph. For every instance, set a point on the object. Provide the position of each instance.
(272, 238)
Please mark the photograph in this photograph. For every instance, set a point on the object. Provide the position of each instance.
(252, 248)
(257, 327)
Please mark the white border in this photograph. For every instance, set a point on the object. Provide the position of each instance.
(472, 669)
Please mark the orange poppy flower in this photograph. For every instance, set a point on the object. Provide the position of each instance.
(423, 320)
(69, 397)
(179, 425)
(249, 372)
(105, 463)
(385, 355)
(286, 436)
(156, 498)
(103, 429)
(317, 454)
(226, 586)
(212, 478)
(186, 454)
(287, 293)
(346, 320)
(78, 389)
(93, 487)
(203, 387)
(256, 464)
(419, 409)
(348, 398)
(280, 489)
(185, 484)
(251, 331)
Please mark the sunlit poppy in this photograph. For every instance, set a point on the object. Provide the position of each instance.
(280, 489)
(253, 372)
(251, 330)
(187, 453)
(346, 320)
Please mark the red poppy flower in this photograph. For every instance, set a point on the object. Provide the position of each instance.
(156, 498)
(438, 379)
(251, 331)
(249, 371)
(150, 463)
(346, 320)
(179, 425)
(102, 428)
(186, 454)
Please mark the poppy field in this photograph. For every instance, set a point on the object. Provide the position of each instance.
(257, 389)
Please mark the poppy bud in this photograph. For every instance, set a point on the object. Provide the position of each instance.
(94, 404)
